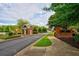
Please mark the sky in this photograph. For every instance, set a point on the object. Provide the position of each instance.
(33, 12)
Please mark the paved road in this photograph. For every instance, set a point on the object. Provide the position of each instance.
(10, 48)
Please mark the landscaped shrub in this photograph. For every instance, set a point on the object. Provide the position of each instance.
(35, 30)
(39, 30)
(78, 29)
(10, 33)
(76, 38)
(42, 29)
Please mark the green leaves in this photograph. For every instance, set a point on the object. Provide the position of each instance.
(21, 22)
(66, 13)
(76, 38)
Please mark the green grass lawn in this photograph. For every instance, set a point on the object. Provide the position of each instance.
(43, 42)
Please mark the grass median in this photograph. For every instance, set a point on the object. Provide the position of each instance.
(43, 42)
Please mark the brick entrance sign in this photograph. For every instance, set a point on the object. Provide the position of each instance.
(64, 35)
(30, 31)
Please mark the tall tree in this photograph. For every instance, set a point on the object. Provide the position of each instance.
(66, 14)
(21, 22)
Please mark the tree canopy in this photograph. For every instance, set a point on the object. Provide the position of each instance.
(65, 14)
(21, 22)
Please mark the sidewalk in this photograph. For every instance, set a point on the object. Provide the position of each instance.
(59, 48)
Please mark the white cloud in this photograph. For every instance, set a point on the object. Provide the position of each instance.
(30, 11)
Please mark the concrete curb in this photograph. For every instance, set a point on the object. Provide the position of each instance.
(26, 48)
(31, 46)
